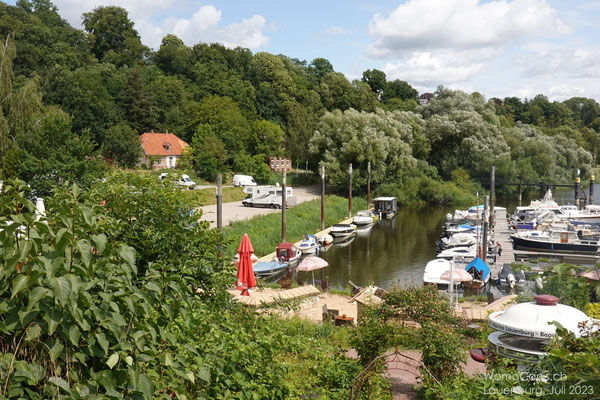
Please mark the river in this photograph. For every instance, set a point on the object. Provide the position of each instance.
(396, 251)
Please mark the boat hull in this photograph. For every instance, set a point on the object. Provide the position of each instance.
(546, 246)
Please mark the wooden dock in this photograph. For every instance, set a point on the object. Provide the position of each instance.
(502, 235)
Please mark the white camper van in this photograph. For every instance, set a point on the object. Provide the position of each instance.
(268, 196)
(243, 180)
(184, 181)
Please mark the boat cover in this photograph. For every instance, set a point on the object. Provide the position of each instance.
(482, 268)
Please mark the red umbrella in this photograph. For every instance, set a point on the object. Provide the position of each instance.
(245, 274)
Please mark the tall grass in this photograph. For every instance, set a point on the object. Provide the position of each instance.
(265, 231)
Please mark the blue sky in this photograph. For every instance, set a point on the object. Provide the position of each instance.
(499, 48)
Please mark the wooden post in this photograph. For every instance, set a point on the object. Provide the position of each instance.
(520, 192)
(296, 167)
(577, 187)
(322, 197)
(591, 196)
(368, 185)
(350, 191)
(306, 168)
(219, 202)
(283, 205)
(492, 195)
(486, 200)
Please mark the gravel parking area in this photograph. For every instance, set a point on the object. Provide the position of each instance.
(237, 212)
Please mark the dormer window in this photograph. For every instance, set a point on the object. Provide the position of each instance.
(167, 146)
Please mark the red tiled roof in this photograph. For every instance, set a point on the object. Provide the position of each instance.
(156, 144)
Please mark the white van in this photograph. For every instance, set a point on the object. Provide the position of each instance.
(183, 181)
(243, 180)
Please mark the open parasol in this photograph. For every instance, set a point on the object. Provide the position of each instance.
(311, 264)
(245, 274)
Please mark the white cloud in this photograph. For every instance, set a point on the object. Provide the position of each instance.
(551, 60)
(460, 24)
(202, 26)
(441, 67)
(563, 92)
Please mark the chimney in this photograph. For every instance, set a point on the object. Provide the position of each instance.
(151, 130)
(166, 132)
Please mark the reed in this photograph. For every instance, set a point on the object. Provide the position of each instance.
(265, 231)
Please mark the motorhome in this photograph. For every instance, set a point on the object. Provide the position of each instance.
(268, 196)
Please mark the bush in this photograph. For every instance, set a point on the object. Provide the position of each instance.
(443, 351)
(570, 290)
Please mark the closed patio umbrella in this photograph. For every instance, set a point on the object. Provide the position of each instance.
(311, 264)
(245, 274)
(458, 275)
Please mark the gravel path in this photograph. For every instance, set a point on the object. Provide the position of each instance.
(235, 211)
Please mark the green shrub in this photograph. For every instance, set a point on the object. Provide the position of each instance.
(442, 350)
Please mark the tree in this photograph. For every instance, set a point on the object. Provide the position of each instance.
(52, 154)
(376, 80)
(336, 92)
(318, 68)
(266, 138)
(173, 57)
(138, 103)
(210, 153)
(400, 90)
(122, 145)
(111, 33)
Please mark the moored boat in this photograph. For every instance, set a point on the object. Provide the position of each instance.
(265, 269)
(554, 241)
(386, 207)
(342, 230)
(435, 269)
(364, 217)
(480, 272)
(309, 245)
(288, 254)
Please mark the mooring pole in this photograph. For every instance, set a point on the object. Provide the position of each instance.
(306, 168)
(591, 196)
(283, 205)
(486, 200)
(322, 197)
(492, 194)
(577, 187)
(219, 202)
(520, 192)
(350, 191)
(368, 185)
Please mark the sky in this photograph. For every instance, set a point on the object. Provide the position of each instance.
(499, 48)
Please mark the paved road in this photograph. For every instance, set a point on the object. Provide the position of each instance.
(235, 211)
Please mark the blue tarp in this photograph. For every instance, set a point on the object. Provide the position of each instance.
(480, 266)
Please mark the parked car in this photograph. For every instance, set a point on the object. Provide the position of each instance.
(184, 181)
(243, 180)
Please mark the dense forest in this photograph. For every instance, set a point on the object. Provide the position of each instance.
(72, 98)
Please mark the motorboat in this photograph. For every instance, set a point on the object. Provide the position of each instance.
(386, 207)
(467, 252)
(288, 253)
(458, 239)
(480, 272)
(309, 245)
(364, 217)
(435, 269)
(590, 214)
(342, 230)
(554, 241)
(507, 277)
(325, 240)
(460, 229)
(263, 269)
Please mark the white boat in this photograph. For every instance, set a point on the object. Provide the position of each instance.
(554, 240)
(325, 239)
(467, 252)
(342, 230)
(309, 245)
(436, 268)
(364, 217)
(458, 239)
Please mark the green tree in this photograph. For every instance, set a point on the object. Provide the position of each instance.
(210, 153)
(318, 68)
(398, 89)
(376, 80)
(122, 145)
(111, 34)
(266, 138)
(138, 103)
(51, 154)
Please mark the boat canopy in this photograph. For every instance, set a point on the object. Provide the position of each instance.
(480, 266)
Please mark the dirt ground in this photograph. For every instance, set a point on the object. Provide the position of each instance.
(235, 211)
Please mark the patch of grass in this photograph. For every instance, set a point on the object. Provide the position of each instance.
(265, 230)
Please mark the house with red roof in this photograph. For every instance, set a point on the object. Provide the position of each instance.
(161, 150)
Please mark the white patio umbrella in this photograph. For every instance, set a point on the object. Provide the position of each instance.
(458, 275)
(311, 264)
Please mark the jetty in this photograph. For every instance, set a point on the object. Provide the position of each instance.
(502, 235)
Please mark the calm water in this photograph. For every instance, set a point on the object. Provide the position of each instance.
(397, 250)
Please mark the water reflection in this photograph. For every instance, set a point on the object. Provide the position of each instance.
(389, 251)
